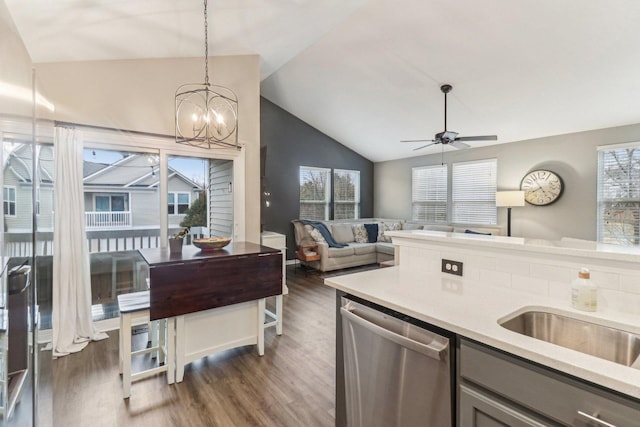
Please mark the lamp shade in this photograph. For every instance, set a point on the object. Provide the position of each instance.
(509, 198)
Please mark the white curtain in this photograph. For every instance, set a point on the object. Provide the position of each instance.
(72, 320)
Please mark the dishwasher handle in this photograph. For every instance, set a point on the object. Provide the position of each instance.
(434, 352)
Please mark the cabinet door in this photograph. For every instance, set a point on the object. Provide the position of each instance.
(480, 410)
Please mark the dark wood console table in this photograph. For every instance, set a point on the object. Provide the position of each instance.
(216, 297)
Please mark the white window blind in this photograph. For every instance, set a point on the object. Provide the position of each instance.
(473, 198)
(315, 193)
(346, 194)
(429, 193)
(619, 195)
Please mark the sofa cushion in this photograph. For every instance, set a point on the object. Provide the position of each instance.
(314, 233)
(360, 233)
(372, 232)
(412, 226)
(385, 248)
(342, 233)
(389, 226)
(446, 228)
(363, 248)
(340, 252)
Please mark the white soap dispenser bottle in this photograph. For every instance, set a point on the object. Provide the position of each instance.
(584, 292)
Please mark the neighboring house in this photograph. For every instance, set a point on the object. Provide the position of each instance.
(125, 194)
(122, 195)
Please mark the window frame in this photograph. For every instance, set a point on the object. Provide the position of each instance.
(427, 202)
(327, 196)
(602, 203)
(459, 194)
(176, 202)
(356, 201)
(7, 203)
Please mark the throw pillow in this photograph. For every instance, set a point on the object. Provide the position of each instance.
(389, 226)
(342, 233)
(372, 232)
(360, 233)
(314, 233)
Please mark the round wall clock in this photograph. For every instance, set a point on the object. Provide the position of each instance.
(541, 187)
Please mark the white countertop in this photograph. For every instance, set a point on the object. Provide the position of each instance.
(569, 247)
(472, 310)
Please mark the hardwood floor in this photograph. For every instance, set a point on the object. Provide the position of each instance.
(291, 385)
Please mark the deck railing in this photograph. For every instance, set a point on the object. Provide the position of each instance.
(107, 220)
(19, 244)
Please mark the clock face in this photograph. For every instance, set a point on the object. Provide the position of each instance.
(541, 187)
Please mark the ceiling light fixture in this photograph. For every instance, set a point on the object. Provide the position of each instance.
(206, 114)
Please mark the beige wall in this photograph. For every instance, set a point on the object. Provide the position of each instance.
(572, 156)
(15, 67)
(139, 95)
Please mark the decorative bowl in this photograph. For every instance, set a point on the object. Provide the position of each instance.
(211, 243)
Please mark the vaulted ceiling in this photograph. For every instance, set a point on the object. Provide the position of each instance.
(368, 72)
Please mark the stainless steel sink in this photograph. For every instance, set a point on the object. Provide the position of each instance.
(608, 343)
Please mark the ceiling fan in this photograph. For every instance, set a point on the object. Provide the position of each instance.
(447, 137)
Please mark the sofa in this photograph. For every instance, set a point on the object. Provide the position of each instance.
(360, 249)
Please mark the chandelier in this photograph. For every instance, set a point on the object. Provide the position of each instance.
(206, 114)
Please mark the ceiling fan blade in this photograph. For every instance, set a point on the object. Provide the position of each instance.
(417, 140)
(425, 146)
(459, 145)
(478, 138)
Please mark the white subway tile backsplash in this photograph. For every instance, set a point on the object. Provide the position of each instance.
(609, 299)
(560, 291)
(630, 283)
(495, 278)
(530, 284)
(513, 265)
(605, 279)
(551, 272)
(480, 261)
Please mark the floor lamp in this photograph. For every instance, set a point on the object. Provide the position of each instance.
(509, 199)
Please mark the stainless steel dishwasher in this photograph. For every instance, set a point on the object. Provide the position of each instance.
(396, 373)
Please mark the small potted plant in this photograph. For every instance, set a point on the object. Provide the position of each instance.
(175, 242)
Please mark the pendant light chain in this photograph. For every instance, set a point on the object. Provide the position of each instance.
(206, 114)
(206, 46)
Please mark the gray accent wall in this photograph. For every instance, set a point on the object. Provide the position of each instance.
(572, 156)
(291, 143)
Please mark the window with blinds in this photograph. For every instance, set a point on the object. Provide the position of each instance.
(346, 194)
(473, 192)
(429, 193)
(619, 194)
(315, 193)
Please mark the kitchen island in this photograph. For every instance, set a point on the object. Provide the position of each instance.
(217, 298)
(501, 278)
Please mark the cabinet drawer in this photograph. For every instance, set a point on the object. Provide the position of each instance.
(541, 390)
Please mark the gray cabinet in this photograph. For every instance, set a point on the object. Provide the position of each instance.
(498, 389)
(481, 410)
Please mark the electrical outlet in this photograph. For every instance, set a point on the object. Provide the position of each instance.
(452, 267)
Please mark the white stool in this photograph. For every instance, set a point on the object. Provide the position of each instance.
(134, 311)
(275, 318)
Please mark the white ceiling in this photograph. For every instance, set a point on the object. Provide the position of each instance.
(368, 72)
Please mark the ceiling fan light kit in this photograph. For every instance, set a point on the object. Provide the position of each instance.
(447, 137)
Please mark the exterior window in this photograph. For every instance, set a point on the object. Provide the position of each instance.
(619, 194)
(473, 195)
(429, 193)
(113, 203)
(9, 201)
(315, 193)
(178, 203)
(346, 194)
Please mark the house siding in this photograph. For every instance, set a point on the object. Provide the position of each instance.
(220, 199)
